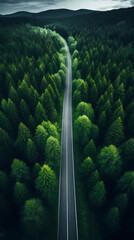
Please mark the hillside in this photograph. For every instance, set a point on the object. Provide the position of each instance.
(58, 13)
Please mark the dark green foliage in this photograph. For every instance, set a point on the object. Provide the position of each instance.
(30, 67)
(21, 193)
(93, 179)
(87, 168)
(40, 113)
(53, 152)
(115, 134)
(51, 111)
(5, 141)
(83, 127)
(126, 183)
(128, 154)
(5, 123)
(90, 149)
(34, 218)
(97, 196)
(36, 170)
(13, 95)
(112, 219)
(122, 202)
(23, 136)
(51, 129)
(109, 162)
(85, 109)
(31, 151)
(46, 183)
(105, 62)
(94, 131)
(20, 171)
(41, 136)
(103, 66)
(24, 110)
(4, 184)
(12, 113)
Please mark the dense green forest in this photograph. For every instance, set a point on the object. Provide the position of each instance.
(103, 110)
(32, 77)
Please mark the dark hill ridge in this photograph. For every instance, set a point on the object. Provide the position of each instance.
(55, 13)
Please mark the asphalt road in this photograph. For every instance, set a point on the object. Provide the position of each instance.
(67, 211)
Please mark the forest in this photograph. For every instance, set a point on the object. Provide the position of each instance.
(32, 81)
(103, 112)
(32, 78)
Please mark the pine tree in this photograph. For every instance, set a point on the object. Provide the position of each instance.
(92, 180)
(90, 150)
(6, 143)
(84, 108)
(41, 136)
(20, 171)
(40, 113)
(51, 129)
(126, 183)
(102, 120)
(21, 193)
(24, 111)
(13, 95)
(115, 134)
(87, 168)
(83, 127)
(13, 113)
(49, 106)
(53, 153)
(109, 162)
(97, 195)
(31, 123)
(22, 138)
(34, 218)
(5, 123)
(46, 183)
(31, 151)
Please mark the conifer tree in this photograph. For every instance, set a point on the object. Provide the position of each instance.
(20, 171)
(115, 134)
(97, 196)
(90, 150)
(5, 141)
(34, 218)
(5, 123)
(87, 168)
(21, 193)
(46, 183)
(13, 113)
(109, 162)
(22, 138)
(24, 111)
(13, 95)
(41, 136)
(31, 151)
(40, 113)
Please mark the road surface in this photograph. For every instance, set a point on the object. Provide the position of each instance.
(67, 212)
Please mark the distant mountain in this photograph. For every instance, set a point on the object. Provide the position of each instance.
(55, 13)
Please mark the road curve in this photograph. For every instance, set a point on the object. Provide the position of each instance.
(67, 211)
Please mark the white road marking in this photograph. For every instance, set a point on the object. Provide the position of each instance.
(64, 116)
